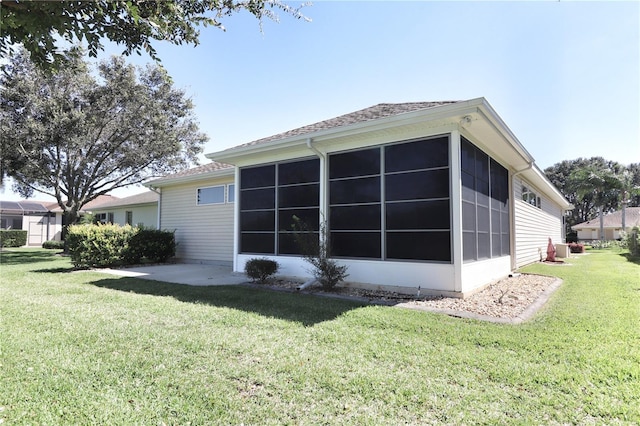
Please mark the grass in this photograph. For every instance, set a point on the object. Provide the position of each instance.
(89, 348)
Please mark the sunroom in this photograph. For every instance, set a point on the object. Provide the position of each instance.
(413, 197)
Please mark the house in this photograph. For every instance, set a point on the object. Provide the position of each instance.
(43, 220)
(32, 216)
(136, 210)
(433, 196)
(199, 205)
(612, 224)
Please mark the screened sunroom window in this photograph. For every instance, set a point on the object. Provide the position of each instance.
(485, 205)
(391, 202)
(270, 197)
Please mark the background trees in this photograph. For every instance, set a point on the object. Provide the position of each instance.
(77, 135)
(41, 26)
(595, 185)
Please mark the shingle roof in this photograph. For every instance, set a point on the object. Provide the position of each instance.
(368, 114)
(54, 207)
(613, 220)
(205, 168)
(142, 198)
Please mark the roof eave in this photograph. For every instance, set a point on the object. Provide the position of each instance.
(166, 181)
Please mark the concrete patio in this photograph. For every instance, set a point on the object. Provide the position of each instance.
(183, 273)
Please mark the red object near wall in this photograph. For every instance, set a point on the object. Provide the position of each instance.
(551, 252)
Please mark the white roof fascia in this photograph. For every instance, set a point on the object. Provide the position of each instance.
(166, 181)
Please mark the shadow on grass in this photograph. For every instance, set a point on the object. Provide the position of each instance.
(305, 309)
(22, 256)
(630, 258)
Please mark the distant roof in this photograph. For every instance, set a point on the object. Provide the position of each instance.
(368, 114)
(54, 207)
(613, 220)
(22, 207)
(146, 197)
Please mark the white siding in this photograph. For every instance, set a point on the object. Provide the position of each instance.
(534, 226)
(204, 233)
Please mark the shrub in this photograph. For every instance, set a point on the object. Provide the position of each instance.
(52, 244)
(576, 248)
(316, 249)
(260, 269)
(13, 238)
(98, 245)
(153, 244)
(633, 241)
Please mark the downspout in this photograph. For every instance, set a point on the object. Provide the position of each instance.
(159, 192)
(513, 215)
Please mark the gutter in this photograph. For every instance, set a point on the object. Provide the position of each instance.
(159, 192)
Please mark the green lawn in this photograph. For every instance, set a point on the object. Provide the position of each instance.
(90, 348)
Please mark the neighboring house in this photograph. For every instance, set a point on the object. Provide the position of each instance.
(43, 220)
(436, 196)
(136, 210)
(198, 205)
(32, 216)
(612, 223)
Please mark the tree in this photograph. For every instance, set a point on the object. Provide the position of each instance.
(41, 26)
(75, 136)
(594, 186)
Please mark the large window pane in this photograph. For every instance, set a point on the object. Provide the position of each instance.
(469, 246)
(352, 191)
(257, 177)
(310, 218)
(287, 243)
(355, 163)
(356, 244)
(257, 220)
(299, 196)
(257, 242)
(417, 185)
(417, 155)
(434, 246)
(355, 217)
(299, 172)
(255, 199)
(418, 215)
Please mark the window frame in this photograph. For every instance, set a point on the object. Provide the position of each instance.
(200, 204)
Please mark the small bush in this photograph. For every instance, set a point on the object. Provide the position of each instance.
(99, 245)
(13, 238)
(152, 244)
(576, 248)
(52, 244)
(260, 269)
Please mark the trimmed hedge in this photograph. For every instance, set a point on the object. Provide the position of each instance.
(13, 238)
(114, 245)
(53, 244)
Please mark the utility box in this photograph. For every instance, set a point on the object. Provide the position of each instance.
(562, 250)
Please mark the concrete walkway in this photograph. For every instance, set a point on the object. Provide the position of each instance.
(183, 273)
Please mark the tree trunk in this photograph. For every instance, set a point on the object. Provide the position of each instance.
(601, 225)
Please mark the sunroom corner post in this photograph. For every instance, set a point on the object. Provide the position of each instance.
(236, 218)
(456, 210)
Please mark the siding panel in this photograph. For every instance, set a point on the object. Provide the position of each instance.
(203, 233)
(534, 226)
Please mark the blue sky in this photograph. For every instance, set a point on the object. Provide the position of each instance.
(564, 76)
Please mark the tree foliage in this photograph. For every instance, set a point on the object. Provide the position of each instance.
(41, 26)
(591, 184)
(76, 135)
